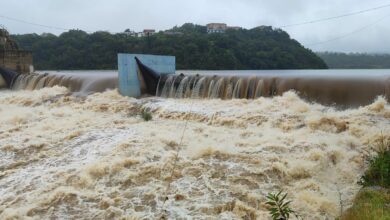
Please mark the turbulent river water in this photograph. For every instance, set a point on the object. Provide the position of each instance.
(94, 157)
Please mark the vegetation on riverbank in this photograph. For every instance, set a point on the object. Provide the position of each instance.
(370, 203)
(373, 201)
(258, 48)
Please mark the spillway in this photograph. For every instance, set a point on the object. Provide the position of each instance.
(325, 87)
(344, 90)
(83, 83)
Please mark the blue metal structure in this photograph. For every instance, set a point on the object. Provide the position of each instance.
(129, 81)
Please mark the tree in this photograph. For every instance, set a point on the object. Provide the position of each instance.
(259, 48)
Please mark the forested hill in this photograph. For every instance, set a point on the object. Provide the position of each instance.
(259, 48)
(355, 60)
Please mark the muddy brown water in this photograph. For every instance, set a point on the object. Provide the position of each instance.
(344, 88)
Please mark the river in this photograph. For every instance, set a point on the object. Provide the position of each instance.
(94, 157)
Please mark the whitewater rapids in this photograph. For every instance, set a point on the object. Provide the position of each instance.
(94, 157)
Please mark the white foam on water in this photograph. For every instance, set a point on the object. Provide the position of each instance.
(95, 158)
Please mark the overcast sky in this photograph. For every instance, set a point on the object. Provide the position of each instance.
(117, 15)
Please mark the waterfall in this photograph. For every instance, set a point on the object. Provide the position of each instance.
(54, 81)
(64, 81)
(217, 89)
(251, 93)
(244, 89)
(167, 86)
(210, 90)
(229, 91)
(237, 89)
(214, 87)
(273, 88)
(17, 82)
(172, 91)
(259, 88)
(32, 81)
(82, 83)
(321, 89)
(160, 85)
(180, 93)
(41, 82)
(199, 89)
(190, 86)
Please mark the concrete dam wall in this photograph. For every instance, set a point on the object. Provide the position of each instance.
(12, 57)
(141, 75)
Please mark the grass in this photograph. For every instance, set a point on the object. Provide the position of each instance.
(378, 173)
(373, 201)
(369, 204)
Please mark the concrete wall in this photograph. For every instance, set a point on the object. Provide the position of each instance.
(11, 56)
(129, 79)
(17, 60)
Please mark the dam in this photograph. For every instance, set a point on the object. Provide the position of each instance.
(344, 88)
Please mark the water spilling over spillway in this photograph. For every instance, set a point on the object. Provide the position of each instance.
(85, 83)
(343, 90)
(326, 87)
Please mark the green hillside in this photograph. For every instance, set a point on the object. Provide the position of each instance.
(259, 48)
(355, 60)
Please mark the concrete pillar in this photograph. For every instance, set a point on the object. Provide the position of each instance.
(129, 82)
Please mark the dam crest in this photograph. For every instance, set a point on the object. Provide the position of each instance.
(343, 90)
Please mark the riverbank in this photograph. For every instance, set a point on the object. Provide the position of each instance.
(373, 201)
(95, 157)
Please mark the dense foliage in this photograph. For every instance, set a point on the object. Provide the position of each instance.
(378, 173)
(355, 60)
(259, 48)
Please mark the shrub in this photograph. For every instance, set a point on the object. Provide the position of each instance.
(146, 115)
(278, 207)
(378, 173)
